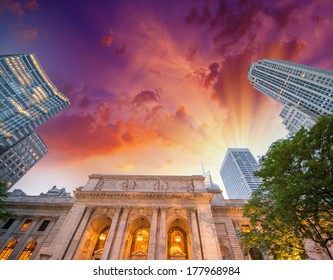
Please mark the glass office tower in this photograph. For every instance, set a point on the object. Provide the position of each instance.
(20, 158)
(237, 173)
(28, 98)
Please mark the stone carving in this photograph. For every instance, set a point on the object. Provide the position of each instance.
(128, 185)
(314, 250)
(161, 186)
(158, 184)
(100, 184)
(190, 186)
(87, 244)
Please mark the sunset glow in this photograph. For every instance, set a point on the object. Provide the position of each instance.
(158, 86)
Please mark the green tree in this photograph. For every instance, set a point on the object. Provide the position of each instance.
(295, 200)
(4, 214)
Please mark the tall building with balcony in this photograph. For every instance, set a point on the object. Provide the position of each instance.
(28, 98)
(237, 173)
(20, 158)
(305, 92)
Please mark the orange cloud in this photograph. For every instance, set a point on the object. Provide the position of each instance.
(107, 40)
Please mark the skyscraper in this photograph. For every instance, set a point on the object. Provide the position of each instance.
(300, 88)
(237, 173)
(27, 98)
(20, 158)
(295, 117)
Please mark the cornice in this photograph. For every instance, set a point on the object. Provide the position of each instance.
(187, 195)
(40, 204)
(147, 177)
(228, 208)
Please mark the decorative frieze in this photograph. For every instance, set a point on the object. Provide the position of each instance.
(100, 182)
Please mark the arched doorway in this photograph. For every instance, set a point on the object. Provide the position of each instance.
(137, 239)
(94, 238)
(177, 244)
(140, 243)
(99, 245)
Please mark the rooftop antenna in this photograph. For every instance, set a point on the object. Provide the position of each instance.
(203, 170)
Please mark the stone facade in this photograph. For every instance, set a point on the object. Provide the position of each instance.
(36, 222)
(129, 217)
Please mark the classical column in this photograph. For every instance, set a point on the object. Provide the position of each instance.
(210, 244)
(152, 235)
(78, 235)
(22, 241)
(115, 250)
(162, 239)
(66, 232)
(110, 237)
(196, 244)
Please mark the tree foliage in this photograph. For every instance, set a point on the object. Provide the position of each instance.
(4, 214)
(295, 200)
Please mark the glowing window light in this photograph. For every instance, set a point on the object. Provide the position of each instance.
(102, 236)
(139, 237)
(178, 238)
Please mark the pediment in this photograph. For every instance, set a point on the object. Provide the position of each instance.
(178, 254)
(139, 253)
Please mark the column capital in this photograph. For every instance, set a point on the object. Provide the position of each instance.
(192, 210)
(126, 209)
(90, 208)
(155, 209)
(34, 236)
(16, 235)
(117, 210)
(163, 208)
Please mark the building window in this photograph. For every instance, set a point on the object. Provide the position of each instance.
(97, 253)
(44, 225)
(28, 250)
(246, 228)
(8, 224)
(140, 241)
(177, 244)
(26, 225)
(5, 253)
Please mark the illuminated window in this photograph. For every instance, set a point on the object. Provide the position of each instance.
(140, 241)
(28, 250)
(5, 253)
(177, 243)
(246, 228)
(26, 225)
(100, 242)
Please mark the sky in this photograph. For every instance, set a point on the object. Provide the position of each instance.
(159, 87)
